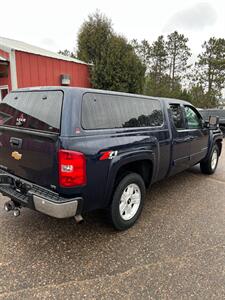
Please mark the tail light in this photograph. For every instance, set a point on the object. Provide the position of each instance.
(72, 168)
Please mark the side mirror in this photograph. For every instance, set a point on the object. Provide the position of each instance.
(213, 122)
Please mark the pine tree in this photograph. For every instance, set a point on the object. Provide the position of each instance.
(210, 69)
(178, 54)
(115, 63)
(94, 37)
(158, 67)
(143, 50)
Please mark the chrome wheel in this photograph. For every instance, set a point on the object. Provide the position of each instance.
(130, 201)
(214, 159)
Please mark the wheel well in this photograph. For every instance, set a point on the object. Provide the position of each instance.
(142, 167)
(219, 144)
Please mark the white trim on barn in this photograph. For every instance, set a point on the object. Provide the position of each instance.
(12, 58)
(9, 44)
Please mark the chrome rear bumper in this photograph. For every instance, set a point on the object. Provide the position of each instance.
(30, 195)
(57, 210)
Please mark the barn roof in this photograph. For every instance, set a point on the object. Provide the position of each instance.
(9, 44)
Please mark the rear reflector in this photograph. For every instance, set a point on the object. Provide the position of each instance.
(72, 168)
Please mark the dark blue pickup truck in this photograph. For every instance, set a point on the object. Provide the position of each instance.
(66, 151)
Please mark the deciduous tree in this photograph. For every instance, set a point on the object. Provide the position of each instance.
(67, 52)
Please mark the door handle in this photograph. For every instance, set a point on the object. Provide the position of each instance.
(15, 142)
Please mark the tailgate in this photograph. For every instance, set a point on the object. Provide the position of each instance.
(29, 130)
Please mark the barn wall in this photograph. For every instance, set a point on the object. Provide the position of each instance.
(37, 70)
(4, 54)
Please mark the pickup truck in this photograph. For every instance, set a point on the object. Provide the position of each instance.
(66, 151)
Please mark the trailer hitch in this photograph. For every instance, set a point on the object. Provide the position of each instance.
(21, 187)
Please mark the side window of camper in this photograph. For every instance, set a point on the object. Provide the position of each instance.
(101, 111)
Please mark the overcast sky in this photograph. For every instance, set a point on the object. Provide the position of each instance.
(54, 24)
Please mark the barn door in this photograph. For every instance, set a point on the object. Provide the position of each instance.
(3, 91)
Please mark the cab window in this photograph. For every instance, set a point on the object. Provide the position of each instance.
(177, 116)
(194, 120)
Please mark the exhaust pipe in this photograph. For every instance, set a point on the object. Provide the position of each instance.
(10, 206)
(16, 212)
(78, 219)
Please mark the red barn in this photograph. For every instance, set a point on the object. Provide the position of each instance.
(24, 65)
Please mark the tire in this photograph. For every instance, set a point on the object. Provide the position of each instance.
(127, 202)
(222, 128)
(209, 166)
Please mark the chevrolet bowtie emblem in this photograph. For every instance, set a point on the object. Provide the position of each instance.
(16, 155)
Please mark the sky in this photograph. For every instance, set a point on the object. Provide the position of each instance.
(54, 25)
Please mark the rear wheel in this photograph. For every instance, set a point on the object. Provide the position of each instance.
(209, 166)
(127, 202)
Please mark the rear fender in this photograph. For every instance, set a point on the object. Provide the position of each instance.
(122, 160)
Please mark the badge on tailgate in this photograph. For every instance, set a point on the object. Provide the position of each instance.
(16, 155)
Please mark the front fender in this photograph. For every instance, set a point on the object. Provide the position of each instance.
(214, 136)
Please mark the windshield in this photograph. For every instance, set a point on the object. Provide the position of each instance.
(37, 110)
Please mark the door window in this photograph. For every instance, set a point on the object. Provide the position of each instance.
(177, 116)
(194, 120)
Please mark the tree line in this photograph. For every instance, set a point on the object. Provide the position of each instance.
(161, 68)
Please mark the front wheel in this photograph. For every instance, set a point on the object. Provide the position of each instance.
(209, 166)
(127, 202)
